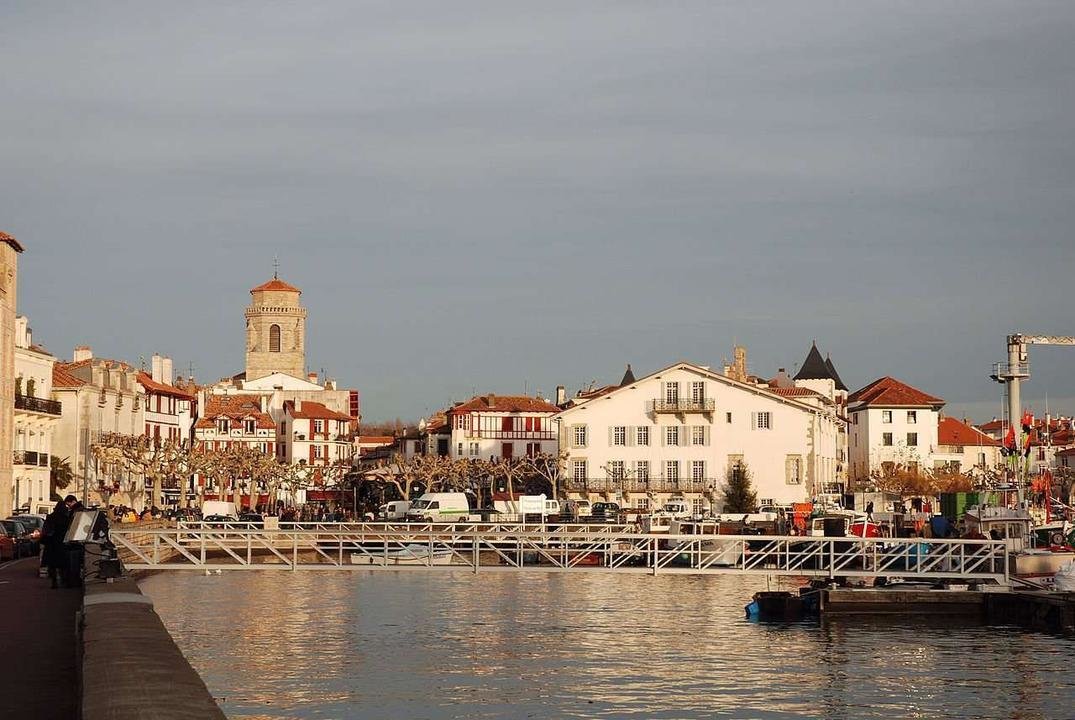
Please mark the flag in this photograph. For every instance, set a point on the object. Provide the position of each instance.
(1009, 441)
(1028, 421)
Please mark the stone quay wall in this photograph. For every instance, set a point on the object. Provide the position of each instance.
(130, 667)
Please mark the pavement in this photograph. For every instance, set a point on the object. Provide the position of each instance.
(38, 645)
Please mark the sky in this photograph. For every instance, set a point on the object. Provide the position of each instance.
(506, 196)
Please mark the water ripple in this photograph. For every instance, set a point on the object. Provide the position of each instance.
(416, 644)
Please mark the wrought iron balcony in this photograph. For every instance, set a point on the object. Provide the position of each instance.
(679, 407)
(40, 405)
(639, 485)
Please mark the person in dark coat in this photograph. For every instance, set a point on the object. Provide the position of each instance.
(52, 534)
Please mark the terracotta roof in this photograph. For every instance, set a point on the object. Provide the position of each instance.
(61, 377)
(992, 426)
(596, 392)
(953, 432)
(152, 386)
(504, 404)
(376, 439)
(1066, 452)
(794, 392)
(10, 240)
(313, 411)
(235, 407)
(276, 285)
(890, 392)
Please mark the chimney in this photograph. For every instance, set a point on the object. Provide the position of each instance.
(83, 352)
(330, 384)
(312, 377)
(298, 405)
(490, 400)
(166, 371)
(561, 395)
(156, 368)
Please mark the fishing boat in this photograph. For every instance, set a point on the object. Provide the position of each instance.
(414, 554)
(1015, 527)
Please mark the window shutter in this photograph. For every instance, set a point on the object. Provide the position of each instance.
(705, 434)
(664, 392)
(772, 420)
(664, 435)
(753, 421)
(631, 432)
(611, 433)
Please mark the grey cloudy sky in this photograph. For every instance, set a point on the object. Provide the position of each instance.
(499, 195)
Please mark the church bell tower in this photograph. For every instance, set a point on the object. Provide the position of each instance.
(275, 331)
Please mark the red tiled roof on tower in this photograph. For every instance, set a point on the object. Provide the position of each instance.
(953, 432)
(504, 404)
(276, 285)
(890, 392)
(10, 240)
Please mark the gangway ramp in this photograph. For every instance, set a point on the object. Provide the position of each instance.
(488, 547)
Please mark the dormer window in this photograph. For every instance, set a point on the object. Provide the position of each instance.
(250, 427)
(223, 425)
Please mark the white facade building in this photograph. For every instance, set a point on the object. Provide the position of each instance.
(679, 431)
(316, 435)
(893, 426)
(502, 426)
(169, 413)
(36, 416)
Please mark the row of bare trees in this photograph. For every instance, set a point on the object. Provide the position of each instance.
(125, 461)
(435, 473)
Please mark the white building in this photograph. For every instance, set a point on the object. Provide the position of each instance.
(36, 416)
(317, 436)
(893, 426)
(681, 430)
(502, 426)
(169, 413)
(97, 396)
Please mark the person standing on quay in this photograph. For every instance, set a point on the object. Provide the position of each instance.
(52, 534)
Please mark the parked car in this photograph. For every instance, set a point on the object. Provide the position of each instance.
(218, 521)
(606, 512)
(254, 518)
(24, 542)
(583, 509)
(8, 544)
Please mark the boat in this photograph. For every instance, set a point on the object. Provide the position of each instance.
(414, 554)
(1014, 526)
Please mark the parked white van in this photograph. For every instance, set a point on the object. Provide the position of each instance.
(440, 507)
(395, 510)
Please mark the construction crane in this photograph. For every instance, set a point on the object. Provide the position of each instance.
(1017, 369)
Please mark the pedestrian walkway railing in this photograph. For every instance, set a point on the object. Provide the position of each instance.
(499, 546)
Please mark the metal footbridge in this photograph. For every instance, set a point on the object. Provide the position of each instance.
(491, 547)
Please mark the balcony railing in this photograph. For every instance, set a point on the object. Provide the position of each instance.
(35, 404)
(512, 434)
(704, 405)
(636, 485)
(28, 457)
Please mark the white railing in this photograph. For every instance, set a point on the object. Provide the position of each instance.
(498, 546)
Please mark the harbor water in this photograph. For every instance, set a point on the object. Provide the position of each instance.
(449, 644)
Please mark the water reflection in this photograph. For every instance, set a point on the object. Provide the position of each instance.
(504, 645)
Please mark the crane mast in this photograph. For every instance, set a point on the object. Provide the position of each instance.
(1017, 369)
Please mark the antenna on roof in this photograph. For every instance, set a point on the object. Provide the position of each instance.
(275, 267)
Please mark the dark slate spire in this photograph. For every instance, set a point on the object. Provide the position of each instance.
(814, 367)
(834, 375)
(628, 377)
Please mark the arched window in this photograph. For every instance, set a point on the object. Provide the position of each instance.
(274, 338)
